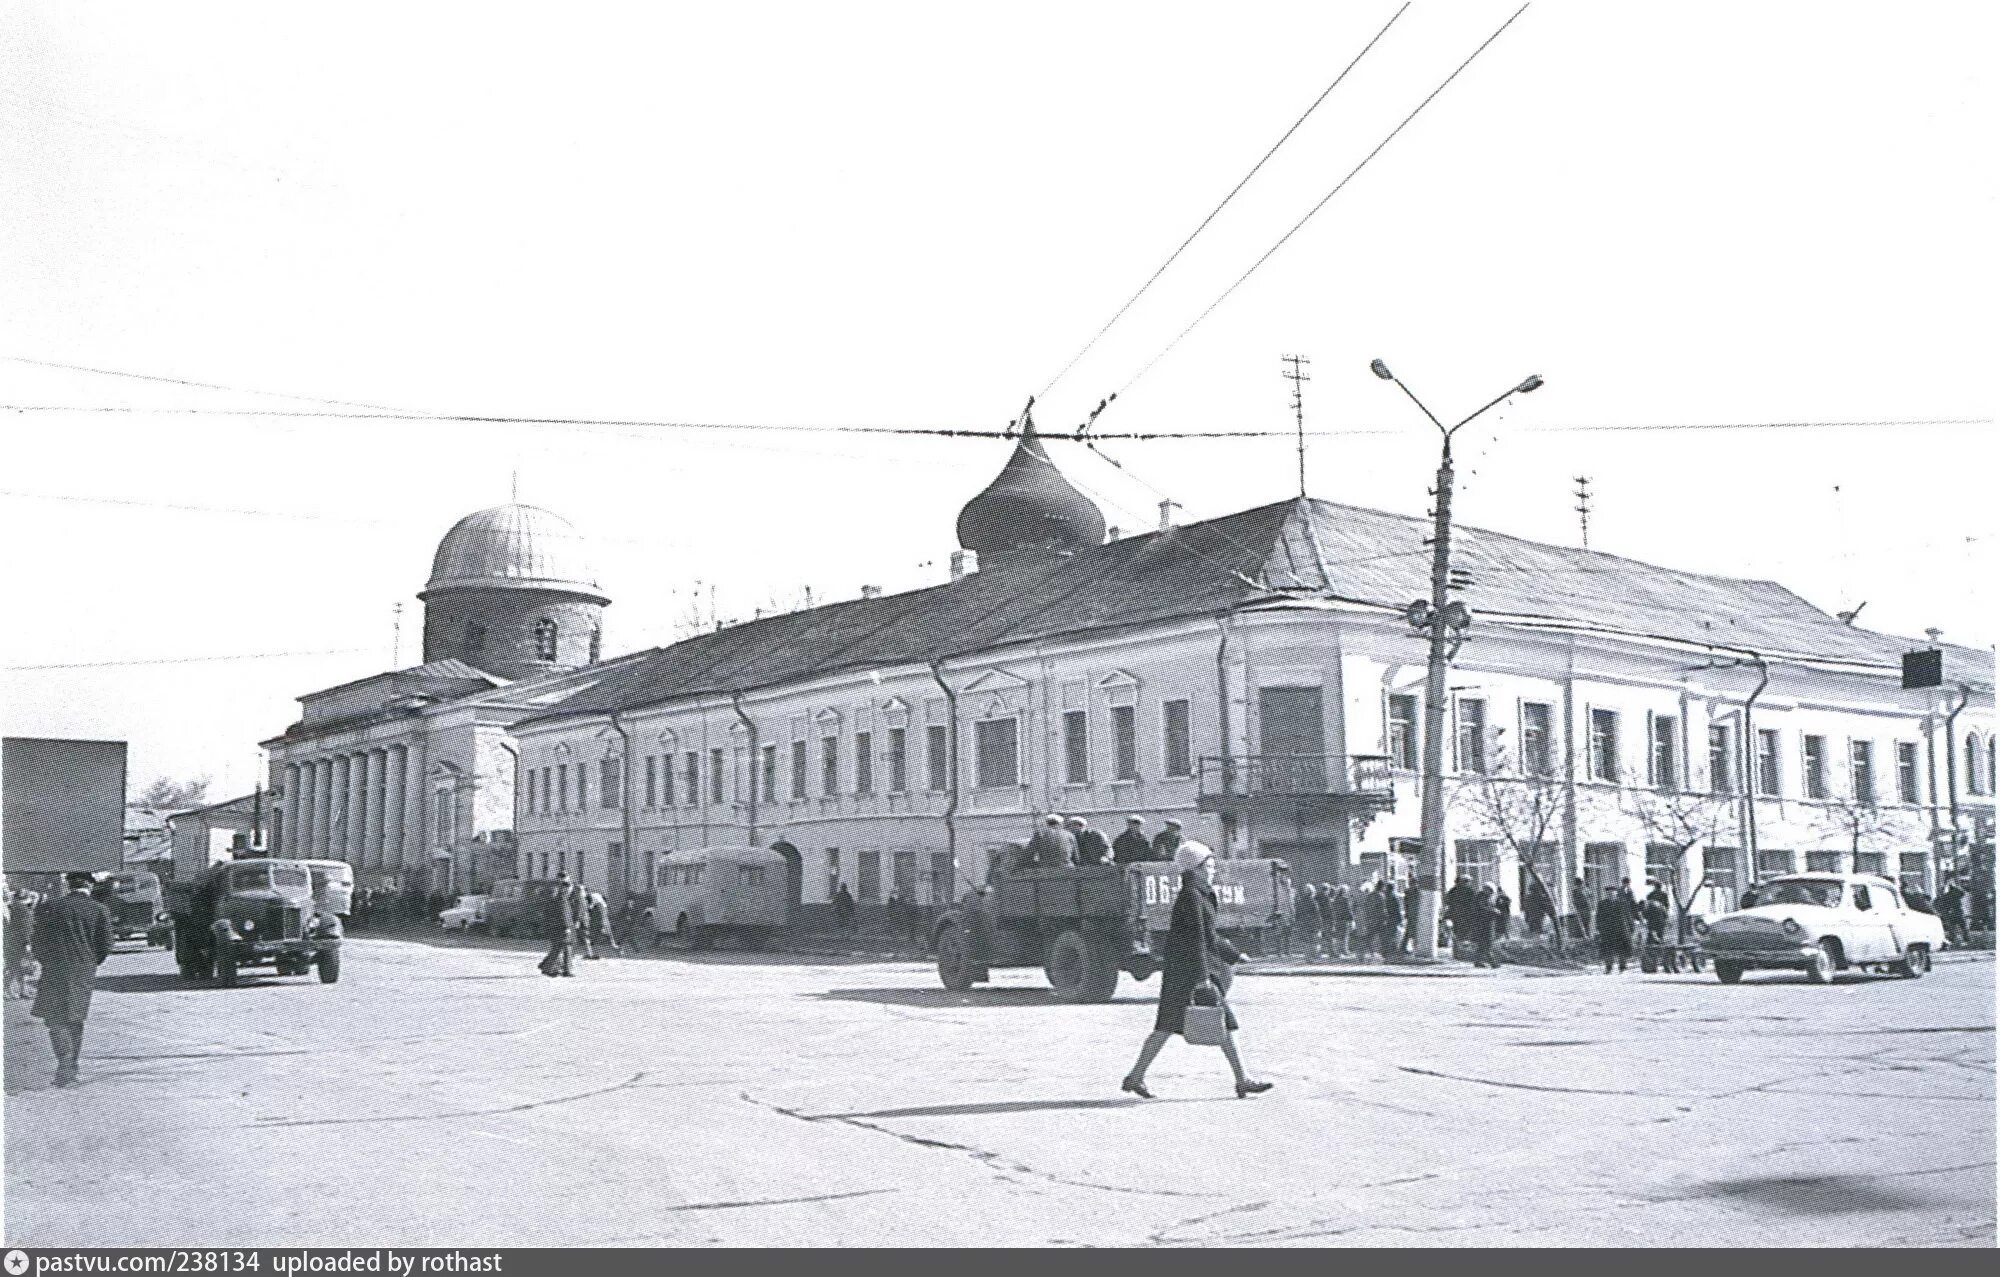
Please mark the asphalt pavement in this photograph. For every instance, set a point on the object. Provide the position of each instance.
(445, 1094)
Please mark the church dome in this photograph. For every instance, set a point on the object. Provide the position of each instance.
(513, 547)
(1030, 506)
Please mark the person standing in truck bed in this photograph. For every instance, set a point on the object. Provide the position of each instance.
(1132, 846)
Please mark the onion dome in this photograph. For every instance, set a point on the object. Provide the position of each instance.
(1030, 506)
(513, 547)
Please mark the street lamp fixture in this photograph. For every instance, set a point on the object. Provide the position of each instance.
(1443, 620)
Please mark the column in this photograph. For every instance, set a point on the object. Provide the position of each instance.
(357, 806)
(371, 806)
(395, 801)
(323, 805)
(303, 829)
(288, 833)
(336, 807)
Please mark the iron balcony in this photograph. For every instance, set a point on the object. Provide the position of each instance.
(1306, 785)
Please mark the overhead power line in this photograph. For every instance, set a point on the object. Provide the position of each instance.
(1212, 213)
(187, 660)
(1283, 239)
(199, 385)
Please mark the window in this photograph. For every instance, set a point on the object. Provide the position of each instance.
(548, 790)
(767, 778)
(475, 638)
(1814, 779)
(1124, 742)
(1663, 865)
(582, 788)
(718, 773)
(905, 878)
(562, 786)
(1773, 862)
(941, 876)
(1861, 765)
(1721, 759)
(1862, 900)
(1665, 758)
(1538, 752)
(596, 644)
(1719, 863)
(832, 872)
(997, 762)
(666, 780)
(1823, 862)
(864, 762)
(1604, 744)
(750, 875)
(1603, 866)
(691, 777)
(1767, 762)
(1472, 734)
(829, 765)
(1912, 865)
(1906, 772)
(1076, 747)
(899, 760)
(937, 757)
(611, 783)
(1870, 862)
(652, 780)
(444, 822)
(1477, 861)
(545, 640)
(798, 770)
(871, 878)
(1177, 728)
(1403, 732)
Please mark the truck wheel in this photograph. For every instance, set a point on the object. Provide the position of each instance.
(329, 966)
(1820, 969)
(1916, 961)
(1079, 970)
(225, 969)
(1728, 972)
(953, 962)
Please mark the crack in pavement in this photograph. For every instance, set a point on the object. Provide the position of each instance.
(629, 1082)
(993, 1161)
(1564, 1090)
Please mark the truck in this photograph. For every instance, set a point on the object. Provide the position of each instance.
(1085, 924)
(253, 913)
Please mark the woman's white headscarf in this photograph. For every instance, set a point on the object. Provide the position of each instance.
(1190, 854)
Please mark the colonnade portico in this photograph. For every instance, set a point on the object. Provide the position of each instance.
(353, 805)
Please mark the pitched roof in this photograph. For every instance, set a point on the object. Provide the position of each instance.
(1303, 546)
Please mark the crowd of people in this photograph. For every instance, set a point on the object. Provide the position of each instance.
(1063, 841)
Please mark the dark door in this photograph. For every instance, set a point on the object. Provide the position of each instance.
(795, 877)
(1292, 739)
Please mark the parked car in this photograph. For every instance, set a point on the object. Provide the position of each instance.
(468, 914)
(516, 906)
(1822, 923)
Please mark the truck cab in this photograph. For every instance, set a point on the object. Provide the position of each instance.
(253, 913)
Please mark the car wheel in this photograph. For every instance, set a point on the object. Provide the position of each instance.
(953, 962)
(1728, 972)
(1820, 969)
(1916, 961)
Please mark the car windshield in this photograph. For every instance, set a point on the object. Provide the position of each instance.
(1802, 892)
(286, 878)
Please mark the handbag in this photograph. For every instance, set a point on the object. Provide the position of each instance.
(1206, 1020)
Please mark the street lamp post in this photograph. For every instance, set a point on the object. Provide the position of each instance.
(1438, 619)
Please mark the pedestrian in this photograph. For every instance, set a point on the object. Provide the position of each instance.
(843, 908)
(1412, 917)
(1305, 915)
(1387, 936)
(1581, 896)
(1657, 911)
(1197, 963)
(1166, 843)
(1340, 916)
(1052, 846)
(1536, 907)
(1950, 907)
(72, 935)
(1091, 849)
(1614, 929)
(1475, 925)
(1458, 906)
(1505, 905)
(562, 914)
(597, 925)
(1132, 846)
(20, 924)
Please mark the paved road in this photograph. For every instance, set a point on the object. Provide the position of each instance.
(448, 1095)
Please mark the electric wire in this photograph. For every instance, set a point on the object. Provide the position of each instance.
(1212, 213)
(185, 660)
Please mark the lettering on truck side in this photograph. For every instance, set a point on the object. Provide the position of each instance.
(1160, 889)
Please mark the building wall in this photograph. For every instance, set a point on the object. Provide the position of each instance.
(506, 621)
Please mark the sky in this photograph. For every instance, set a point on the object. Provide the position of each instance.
(1680, 215)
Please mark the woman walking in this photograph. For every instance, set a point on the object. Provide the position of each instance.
(1195, 956)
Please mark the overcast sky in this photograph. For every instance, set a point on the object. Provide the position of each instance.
(916, 214)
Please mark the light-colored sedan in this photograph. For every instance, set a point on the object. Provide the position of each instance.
(466, 915)
(1822, 923)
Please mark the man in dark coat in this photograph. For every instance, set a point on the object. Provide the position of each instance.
(1657, 911)
(1950, 906)
(1091, 849)
(562, 914)
(1387, 938)
(1475, 924)
(1167, 841)
(843, 908)
(1340, 920)
(1536, 907)
(1052, 846)
(1504, 904)
(1614, 929)
(1458, 904)
(72, 936)
(1132, 846)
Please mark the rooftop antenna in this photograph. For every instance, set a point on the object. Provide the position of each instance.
(396, 636)
(1583, 506)
(514, 485)
(1298, 376)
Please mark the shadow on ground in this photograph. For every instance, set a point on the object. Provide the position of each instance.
(1816, 1194)
(167, 982)
(939, 999)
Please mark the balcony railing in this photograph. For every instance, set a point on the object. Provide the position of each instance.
(1357, 780)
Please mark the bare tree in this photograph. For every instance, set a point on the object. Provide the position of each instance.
(1682, 819)
(1524, 810)
(1862, 824)
(167, 793)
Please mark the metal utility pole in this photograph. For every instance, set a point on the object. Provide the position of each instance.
(1298, 375)
(1444, 622)
(1583, 506)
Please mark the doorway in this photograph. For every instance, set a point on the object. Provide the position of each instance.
(1291, 725)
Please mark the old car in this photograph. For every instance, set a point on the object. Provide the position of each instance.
(1820, 923)
(708, 893)
(138, 909)
(517, 906)
(333, 885)
(1084, 924)
(467, 914)
(253, 913)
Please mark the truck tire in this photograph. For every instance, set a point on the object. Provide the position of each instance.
(1080, 969)
(1728, 972)
(225, 969)
(329, 966)
(954, 960)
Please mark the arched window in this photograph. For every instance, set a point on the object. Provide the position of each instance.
(475, 638)
(1978, 766)
(596, 644)
(545, 640)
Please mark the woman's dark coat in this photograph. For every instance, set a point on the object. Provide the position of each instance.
(72, 935)
(1194, 953)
